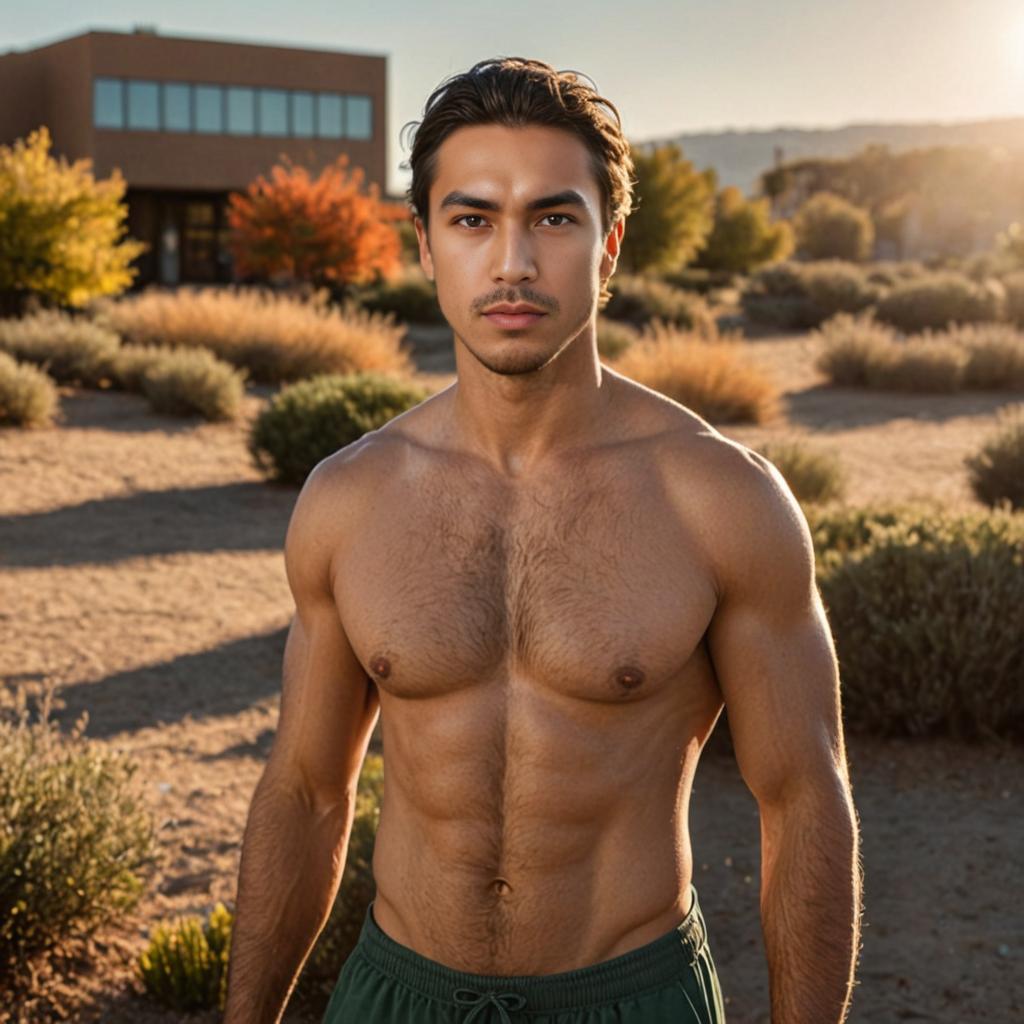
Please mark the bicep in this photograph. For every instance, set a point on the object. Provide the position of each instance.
(328, 703)
(773, 653)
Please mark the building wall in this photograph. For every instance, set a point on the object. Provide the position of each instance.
(52, 85)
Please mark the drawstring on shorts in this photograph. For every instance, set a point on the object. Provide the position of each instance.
(478, 1000)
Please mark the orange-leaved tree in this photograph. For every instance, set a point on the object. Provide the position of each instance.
(327, 231)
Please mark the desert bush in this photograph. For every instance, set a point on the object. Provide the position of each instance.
(744, 236)
(995, 356)
(74, 837)
(699, 279)
(133, 361)
(275, 337)
(889, 273)
(307, 421)
(185, 964)
(1013, 285)
(707, 375)
(927, 612)
(183, 382)
(997, 470)
(798, 296)
(614, 337)
(28, 396)
(813, 476)
(341, 931)
(929, 363)
(411, 297)
(72, 350)
(638, 300)
(850, 345)
(827, 226)
(939, 299)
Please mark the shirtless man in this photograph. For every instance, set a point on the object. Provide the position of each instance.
(547, 580)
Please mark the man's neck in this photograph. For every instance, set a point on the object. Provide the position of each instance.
(516, 422)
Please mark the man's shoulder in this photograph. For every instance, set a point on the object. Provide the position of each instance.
(733, 499)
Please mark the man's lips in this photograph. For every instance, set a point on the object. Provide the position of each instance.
(514, 320)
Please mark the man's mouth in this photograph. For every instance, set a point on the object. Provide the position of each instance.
(514, 321)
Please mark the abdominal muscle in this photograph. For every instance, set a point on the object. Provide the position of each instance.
(505, 851)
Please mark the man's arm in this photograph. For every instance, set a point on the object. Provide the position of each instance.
(775, 661)
(300, 819)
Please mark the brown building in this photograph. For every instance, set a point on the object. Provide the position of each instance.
(189, 120)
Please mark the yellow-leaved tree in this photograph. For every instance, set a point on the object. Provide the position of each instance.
(60, 228)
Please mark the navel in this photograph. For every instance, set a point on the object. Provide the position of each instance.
(501, 887)
(629, 677)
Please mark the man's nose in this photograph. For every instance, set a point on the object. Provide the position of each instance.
(513, 258)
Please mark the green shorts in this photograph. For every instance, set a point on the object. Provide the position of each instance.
(671, 979)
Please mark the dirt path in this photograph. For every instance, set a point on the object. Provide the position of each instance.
(142, 574)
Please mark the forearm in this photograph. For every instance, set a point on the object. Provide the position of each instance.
(810, 904)
(292, 859)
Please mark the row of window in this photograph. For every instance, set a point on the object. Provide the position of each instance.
(230, 109)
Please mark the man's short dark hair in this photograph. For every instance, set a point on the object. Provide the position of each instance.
(516, 91)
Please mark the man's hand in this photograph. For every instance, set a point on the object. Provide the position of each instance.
(775, 661)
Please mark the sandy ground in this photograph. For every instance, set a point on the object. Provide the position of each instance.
(142, 574)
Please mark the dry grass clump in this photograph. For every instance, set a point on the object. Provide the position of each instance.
(813, 476)
(706, 374)
(614, 337)
(72, 350)
(859, 351)
(28, 396)
(277, 338)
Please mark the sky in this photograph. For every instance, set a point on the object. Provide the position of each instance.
(669, 67)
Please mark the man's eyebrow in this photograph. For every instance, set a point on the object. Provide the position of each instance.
(568, 197)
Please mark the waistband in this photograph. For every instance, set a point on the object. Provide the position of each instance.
(647, 967)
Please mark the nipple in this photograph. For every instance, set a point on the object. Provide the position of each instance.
(629, 677)
(380, 666)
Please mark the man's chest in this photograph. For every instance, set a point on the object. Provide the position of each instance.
(592, 586)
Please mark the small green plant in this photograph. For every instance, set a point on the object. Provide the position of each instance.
(813, 476)
(307, 421)
(183, 382)
(997, 471)
(72, 350)
(28, 396)
(411, 297)
(74, 836)
(185, 965)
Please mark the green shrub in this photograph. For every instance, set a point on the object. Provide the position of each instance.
(794, 296)
(341, 931)
(73, 835)
(72, 350)
(827, 226)
(28, 397)
(699, 279)
(307, 421)
(132, 362)
(183, 382)
(275, 337)
(614, 337)
(940, 299)
(997, 471)
(888, 273)
(411, 297)
(928, 618)
(813, 476)
(638, 300)
(185, 965)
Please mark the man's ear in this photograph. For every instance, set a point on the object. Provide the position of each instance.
(426, 261)
(612, 245)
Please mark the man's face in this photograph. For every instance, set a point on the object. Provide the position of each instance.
(515, 217)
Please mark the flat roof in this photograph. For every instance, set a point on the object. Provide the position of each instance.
(262, 44)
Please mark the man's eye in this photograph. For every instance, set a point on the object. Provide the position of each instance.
(468, 216)
(565, 217)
